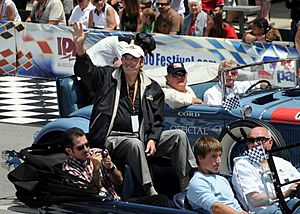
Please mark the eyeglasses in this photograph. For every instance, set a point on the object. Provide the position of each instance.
(81, 147)
(162, 4)
(259, 140)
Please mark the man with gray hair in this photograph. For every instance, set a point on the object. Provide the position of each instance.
(127, 116)
(247, 177)
(194, 23)
(213, 96)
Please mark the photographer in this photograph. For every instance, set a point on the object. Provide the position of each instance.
(95, 165)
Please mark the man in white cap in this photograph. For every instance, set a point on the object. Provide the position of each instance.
(127, 117)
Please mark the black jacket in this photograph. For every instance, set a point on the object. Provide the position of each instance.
(105, 83)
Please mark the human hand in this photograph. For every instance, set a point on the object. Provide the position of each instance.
(263, 85)
(107, 163)
(96, 158)
(196, 101)
(79, 37)
(150, 149)
(290, 190)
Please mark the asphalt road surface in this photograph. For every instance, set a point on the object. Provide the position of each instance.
(13, 137)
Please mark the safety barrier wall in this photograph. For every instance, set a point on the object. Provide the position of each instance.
(48, 51)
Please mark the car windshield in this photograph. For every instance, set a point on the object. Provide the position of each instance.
(281, 73)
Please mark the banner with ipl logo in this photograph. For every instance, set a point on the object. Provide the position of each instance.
(48, 51)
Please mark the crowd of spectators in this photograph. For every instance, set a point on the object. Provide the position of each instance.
(203, 18)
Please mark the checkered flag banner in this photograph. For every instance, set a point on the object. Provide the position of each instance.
(256, 155)
(232, 101)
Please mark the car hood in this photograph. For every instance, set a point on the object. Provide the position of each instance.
(275, 107)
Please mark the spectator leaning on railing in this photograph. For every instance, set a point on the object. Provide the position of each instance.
(168, 21)
(81, 13)
(261, 31)
(9, 11)
(47, 12)
(130, 16)
(194, 23)
(103, 16)
(216, 27)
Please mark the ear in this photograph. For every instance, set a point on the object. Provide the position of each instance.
(68, 150)
(142, 62)
(199, 159)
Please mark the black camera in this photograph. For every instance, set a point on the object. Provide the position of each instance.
(104, 153)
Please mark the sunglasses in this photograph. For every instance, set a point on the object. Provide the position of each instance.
(162, 4)
(81, 147)
(234, 72)
(259, 140)
(178, 74)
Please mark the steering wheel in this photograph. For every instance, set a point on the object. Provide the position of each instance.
(258, 82)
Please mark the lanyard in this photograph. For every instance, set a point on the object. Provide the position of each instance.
(134, 93)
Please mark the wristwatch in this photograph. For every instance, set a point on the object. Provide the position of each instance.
(111, 169)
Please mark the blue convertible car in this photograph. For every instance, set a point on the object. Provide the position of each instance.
(276, 107)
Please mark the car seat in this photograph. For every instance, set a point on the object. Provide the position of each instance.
(181, 202)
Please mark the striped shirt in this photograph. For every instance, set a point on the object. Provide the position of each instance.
(84, 170)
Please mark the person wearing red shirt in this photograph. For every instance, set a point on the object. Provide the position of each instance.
(216, 27)
(208, 5)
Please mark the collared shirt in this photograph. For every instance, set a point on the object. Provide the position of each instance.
(84, 170)
(213, 96)
(247, 178)
(177, 99)
(81, 16)
(49, 10)
(123, 121)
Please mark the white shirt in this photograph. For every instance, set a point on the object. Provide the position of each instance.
(100, 20)
(178, 6)
(246, 178)
(81, 16)
(4, 17)
(106, 50)
(213, 95)
(176, 99)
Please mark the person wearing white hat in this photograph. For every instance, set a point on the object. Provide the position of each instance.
(127, 116)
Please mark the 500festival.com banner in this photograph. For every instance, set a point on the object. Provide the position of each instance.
(48, 51)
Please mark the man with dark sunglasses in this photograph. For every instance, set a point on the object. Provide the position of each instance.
(89, 164)
(168, 21)
(213, 96)
(247, 176)
(177, 93)
(95, 165)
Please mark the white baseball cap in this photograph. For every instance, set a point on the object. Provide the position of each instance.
(134, 50)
